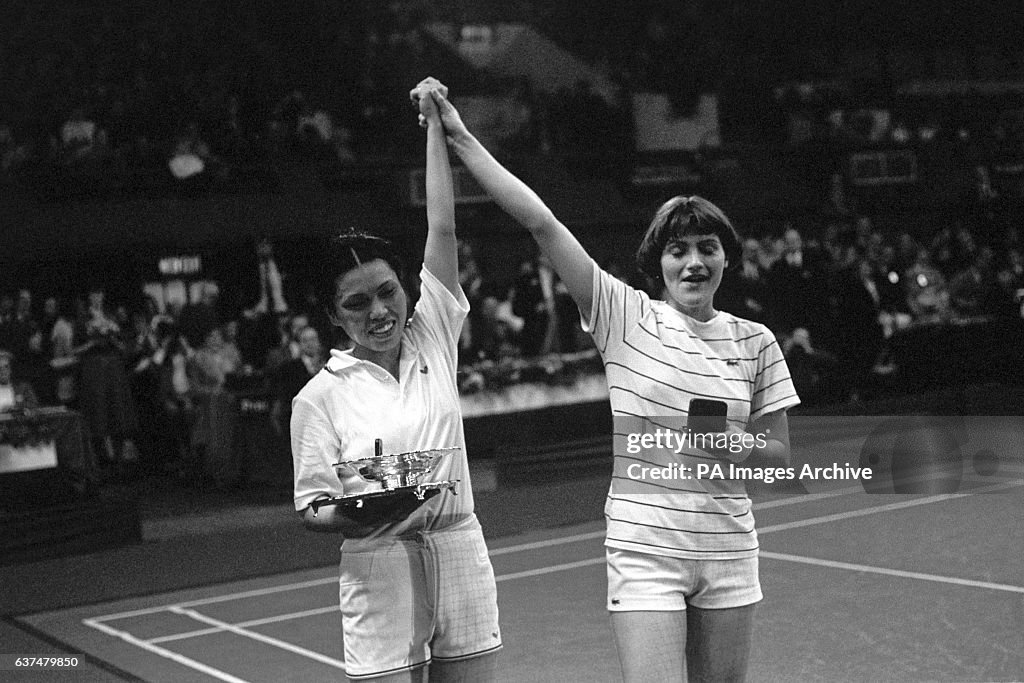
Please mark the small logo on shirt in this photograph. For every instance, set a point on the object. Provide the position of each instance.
(423, 369)
(615, 601)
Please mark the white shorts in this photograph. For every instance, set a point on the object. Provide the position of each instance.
(406, 601)
(643, 582)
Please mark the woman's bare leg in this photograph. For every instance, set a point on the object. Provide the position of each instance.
(482, 669)
(651, 645)
(718, 643)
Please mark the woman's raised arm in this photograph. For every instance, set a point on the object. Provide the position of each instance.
(568, 257)
(440, 255)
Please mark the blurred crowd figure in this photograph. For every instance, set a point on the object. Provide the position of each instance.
(14, 394)
(510, 324)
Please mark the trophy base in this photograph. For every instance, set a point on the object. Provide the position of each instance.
(356, 500)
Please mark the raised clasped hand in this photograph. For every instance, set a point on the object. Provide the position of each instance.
(431, 96)
(422, 97)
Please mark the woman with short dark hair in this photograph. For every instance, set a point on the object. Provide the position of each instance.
(682, 553)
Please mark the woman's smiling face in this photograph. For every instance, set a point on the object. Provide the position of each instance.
(692, 267)
(371, 306)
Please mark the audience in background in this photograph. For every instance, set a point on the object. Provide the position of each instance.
(814, 370)
(271, 287)
(199, 318)
(81, 139)
(797, 281)
(927, 291)
(855, 336)
(17, 323)
(212, 435)
(161, 389)
(744, 294)
(1010, 276)
(835, 294)
(193, 165)
(14, 394)
(104, 393)
(541, 301)
(179, 370)
(291, 375)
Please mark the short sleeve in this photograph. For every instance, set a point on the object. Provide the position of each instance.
(615, 309)
(315, 449)
(439, 314)
(773, 386)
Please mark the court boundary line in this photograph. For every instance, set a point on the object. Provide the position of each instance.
(534, 545)
(225, 597)
(259, 637)
(839, 516)
(220, 626)
(807, 497)
(590, 535)
(245, 624)
(65, 646)
(164, 652)
(871, 569)
(504, 550)
(550, 569)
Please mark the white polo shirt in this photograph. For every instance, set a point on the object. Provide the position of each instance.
(349, 404)
(656, 360)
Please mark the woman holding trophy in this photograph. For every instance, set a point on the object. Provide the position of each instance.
(417, 590)
(681, 555)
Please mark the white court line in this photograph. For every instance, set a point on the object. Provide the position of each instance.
(540, 571)
(886, 508)
(591, 535)
(766, 530)
(334, 608)
(238, 629)
(226, 597)
(893, 572)
(521, 547)
(247, 624)
(560, 540)
(259, 592)
(795, 498)
(550, 570)
(165, 653)
(316, 656)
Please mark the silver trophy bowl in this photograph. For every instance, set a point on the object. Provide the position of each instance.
(397, 470)
(397, 474)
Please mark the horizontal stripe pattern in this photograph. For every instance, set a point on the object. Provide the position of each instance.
(656, 361)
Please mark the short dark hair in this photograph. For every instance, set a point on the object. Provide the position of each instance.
(680, 216)
(350, 250)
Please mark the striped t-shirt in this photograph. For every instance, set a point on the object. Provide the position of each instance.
(656, 360)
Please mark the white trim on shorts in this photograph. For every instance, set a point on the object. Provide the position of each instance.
(381, 674)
